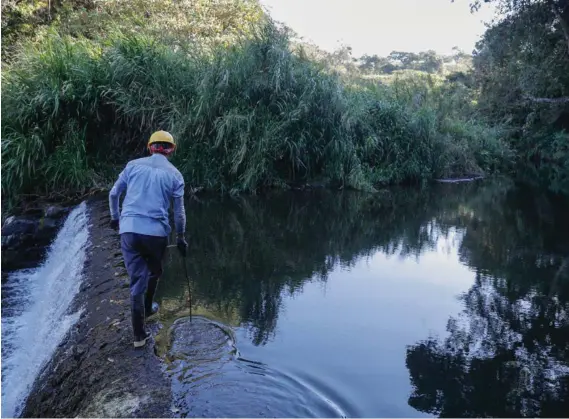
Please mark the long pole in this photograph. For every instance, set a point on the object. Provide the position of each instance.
(189, 287)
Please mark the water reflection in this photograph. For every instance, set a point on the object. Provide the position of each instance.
(245, 253)
(506, 355)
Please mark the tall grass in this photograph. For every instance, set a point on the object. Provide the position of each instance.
(246, 117)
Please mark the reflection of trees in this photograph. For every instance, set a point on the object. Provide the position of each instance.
(507, 354)
(244, 253)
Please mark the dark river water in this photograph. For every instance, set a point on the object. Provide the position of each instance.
(448, 301)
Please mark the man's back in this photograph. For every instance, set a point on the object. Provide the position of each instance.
(150, 182)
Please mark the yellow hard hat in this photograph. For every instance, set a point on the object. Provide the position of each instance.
(161, 137)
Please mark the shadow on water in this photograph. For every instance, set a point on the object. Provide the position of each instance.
(504, 355)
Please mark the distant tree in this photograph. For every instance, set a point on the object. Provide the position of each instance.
(369, 63)
(388, 68)
(376, 64)
(459, 55)
(405, 59)
(343, 58)
(429, 61)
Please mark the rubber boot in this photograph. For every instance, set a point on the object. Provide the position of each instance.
(138, 323)
(150, 306)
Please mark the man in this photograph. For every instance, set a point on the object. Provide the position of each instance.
(150, 184)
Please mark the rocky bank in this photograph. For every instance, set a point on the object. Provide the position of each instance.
(96, 372)
(30, 232)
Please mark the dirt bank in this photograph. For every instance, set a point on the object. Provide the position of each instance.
(96, 372)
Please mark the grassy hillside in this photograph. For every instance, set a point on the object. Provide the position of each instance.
(248, 108)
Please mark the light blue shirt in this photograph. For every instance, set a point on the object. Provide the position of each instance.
(150, 184)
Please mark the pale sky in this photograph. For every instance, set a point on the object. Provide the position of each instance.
(381, 26)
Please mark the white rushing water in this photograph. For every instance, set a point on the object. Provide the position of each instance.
(35, 314)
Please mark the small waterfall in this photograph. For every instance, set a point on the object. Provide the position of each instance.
(35, 310)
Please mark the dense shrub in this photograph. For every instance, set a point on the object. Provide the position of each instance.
(248, 116)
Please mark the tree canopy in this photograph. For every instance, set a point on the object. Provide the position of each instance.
(521, 67)
(175, 21)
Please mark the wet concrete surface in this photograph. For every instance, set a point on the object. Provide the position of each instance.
(96, 371)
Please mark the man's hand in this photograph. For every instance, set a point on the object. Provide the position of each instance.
(182, 245)
(115, 225)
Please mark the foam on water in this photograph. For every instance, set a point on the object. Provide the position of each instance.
(35, 312)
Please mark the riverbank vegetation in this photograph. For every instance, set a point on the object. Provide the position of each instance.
(521, 70)
(251, 107)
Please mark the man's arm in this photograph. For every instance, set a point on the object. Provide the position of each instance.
(115, 194)
(179, 210)
(179, 216)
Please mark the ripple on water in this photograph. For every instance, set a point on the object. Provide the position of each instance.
(210, 379)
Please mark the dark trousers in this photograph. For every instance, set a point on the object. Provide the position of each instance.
(143, 260)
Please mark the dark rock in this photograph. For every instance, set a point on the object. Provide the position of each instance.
(49, 223)
(25, 238)
(18, 226)
(9, 220)
(46, 231)
(14, 232)
(55, 211)
(14, 259)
